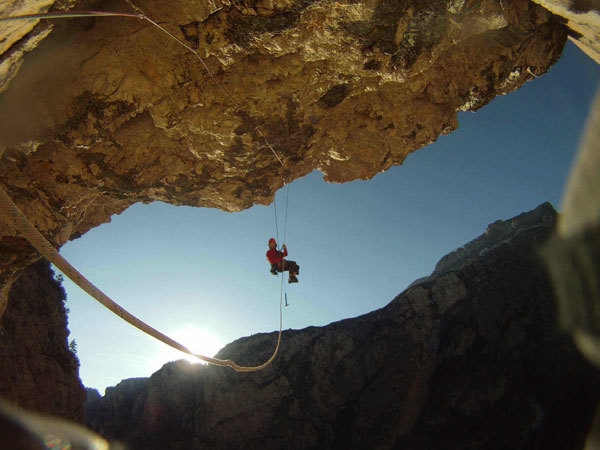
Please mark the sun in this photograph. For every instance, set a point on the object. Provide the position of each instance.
(196, 339)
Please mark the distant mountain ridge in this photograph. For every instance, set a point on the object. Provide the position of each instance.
(469, 357)
(498, 233)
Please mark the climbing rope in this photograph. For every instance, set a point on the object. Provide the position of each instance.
(139, 14)
(46, 249)
(287, 196)
(69, 15)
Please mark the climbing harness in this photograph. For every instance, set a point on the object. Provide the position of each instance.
(21, 223)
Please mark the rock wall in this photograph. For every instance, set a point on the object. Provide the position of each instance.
(583, 19)
(469, 358)
(107, 112)
(97, 114)
(38, 371)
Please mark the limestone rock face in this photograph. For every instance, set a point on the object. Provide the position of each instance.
(469, 358)
(106, 112)
(38, 371)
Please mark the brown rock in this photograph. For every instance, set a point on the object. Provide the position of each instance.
(583, 19)
(107, 112)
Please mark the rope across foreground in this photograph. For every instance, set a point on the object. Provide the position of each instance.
(15, 216)
(22, 223)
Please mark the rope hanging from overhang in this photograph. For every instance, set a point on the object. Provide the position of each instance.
(47, 250)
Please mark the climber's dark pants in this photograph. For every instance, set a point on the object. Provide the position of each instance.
(284, 265)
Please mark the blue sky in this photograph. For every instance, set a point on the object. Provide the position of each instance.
(201, 275)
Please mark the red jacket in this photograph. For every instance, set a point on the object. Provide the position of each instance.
(274, 256)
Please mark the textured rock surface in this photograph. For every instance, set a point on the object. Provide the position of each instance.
(103, 113)
(37, 370)
(107, 112)
(583, 19)
(469, 358)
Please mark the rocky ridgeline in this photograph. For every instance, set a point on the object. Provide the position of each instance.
(501, 232)
(99, 114)
(470, 357)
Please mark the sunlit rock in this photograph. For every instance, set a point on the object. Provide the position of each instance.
(111, 111)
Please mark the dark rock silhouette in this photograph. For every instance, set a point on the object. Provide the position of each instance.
(38, 371)
(102, 114)
(470, 357)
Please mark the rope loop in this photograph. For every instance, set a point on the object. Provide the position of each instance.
(47, 250)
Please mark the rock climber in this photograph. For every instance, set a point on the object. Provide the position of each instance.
(279, 263)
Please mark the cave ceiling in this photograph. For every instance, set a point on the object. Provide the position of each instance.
(99, 113)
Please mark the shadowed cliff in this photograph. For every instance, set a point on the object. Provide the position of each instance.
(106, 113)
(469, 357)
(38, 370)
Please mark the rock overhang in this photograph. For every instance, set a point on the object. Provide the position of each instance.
(107, 112)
